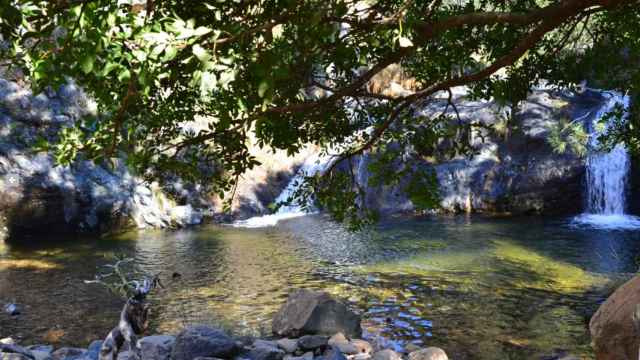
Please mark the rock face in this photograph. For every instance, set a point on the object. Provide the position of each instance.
(612, 326)
(203, 341)
(37, 195)
(310, 312)
(515, 171)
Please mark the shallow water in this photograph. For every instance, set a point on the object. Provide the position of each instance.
(480, 288)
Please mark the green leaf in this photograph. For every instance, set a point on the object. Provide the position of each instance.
(201, 53)
(201, 31)
(86, 63)
(262, 88)
(169, 53)
(124, 75)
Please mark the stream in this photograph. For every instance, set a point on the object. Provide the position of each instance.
(481, 288)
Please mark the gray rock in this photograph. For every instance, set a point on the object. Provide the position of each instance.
(338, 338)
(265, 352)
(68, 353)
(306, 356)
(430, 353)
(311, 312)
(386, 355)
(288, 345)
(312, 342)
(347, 348)
(265, 343)
(41, 355)
(333, 353)
(15, 349)
(156, 347)
(43, 348)
(203, 341)
(341, 342)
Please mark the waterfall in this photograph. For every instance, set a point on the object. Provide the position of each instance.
(606, 177)
(312, 165)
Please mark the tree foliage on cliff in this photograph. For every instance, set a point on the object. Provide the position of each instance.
(287, 73)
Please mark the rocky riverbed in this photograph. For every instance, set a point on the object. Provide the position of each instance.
(300, 329)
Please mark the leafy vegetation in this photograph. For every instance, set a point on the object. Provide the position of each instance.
(290, 73)
(568, 136)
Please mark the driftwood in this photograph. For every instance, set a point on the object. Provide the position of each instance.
(135, 313)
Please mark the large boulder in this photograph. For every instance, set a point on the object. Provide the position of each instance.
(203, 341)
(310, 312)
(512, 167)
(266, 351)
(157, 347)
(612, 327)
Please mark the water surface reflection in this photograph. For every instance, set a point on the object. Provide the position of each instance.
(480, 288)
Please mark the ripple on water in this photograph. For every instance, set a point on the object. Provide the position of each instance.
(480, 288)
(607, 222)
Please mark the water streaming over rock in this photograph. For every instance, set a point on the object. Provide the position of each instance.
(606, 176)
(312, 165)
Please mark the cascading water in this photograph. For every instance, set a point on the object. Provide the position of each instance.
(606, 178)
(312, 165)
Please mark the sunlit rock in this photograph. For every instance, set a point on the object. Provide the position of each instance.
(430, 353)
(203, 341)
(311, 312)
(612, 327)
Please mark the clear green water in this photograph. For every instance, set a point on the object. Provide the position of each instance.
(480, 288)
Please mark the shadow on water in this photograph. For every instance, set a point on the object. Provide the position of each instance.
(480, 288)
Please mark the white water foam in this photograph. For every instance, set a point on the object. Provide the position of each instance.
(606, 179)
(312, 165)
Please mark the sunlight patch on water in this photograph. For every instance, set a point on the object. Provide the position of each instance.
(544, 272)
(607, 222)
(27, 264)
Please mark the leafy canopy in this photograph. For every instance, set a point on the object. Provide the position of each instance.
(183, 86)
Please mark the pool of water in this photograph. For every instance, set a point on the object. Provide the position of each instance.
(481, 288)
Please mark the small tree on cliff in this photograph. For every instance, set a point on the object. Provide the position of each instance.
(288, 73)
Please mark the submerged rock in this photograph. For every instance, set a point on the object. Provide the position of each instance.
(315, 313)
(203, 341)
(612, 327)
